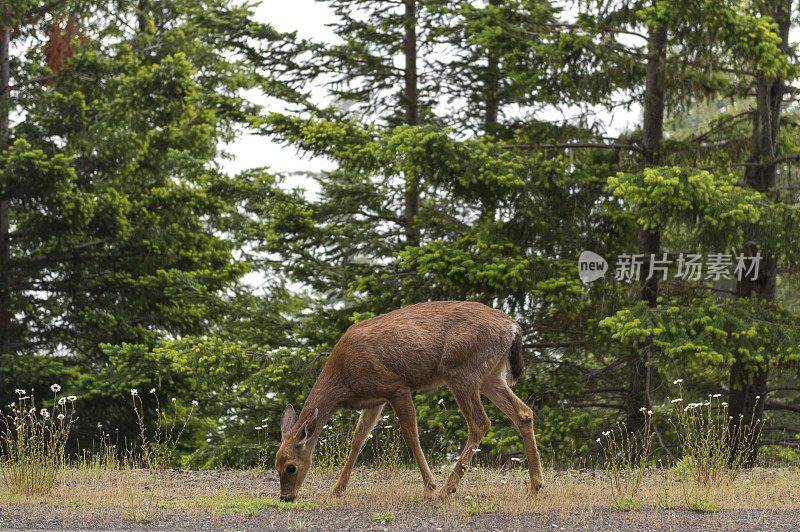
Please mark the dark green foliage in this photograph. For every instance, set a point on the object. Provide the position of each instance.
(127, 247)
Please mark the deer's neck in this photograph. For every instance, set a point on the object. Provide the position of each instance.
(327, 398)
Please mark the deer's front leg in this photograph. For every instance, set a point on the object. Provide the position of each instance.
(403, 407)
(366, 422)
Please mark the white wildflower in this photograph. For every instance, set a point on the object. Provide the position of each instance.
(606, 433)
(387, 427)
(724, 403)
(678, 400)
(61, 416)
(173, 399)
(134, 391)
(440, 401)
(20, 391)
(598, 440)
(476, 450)
(72, 398)
(55, 388)
(152, 390)
(649, 412)
(44, 413)
(717, 395)
(195, 403)
(677, 381)
(515, 459)
(62, 401)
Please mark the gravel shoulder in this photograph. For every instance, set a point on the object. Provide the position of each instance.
(389, 500)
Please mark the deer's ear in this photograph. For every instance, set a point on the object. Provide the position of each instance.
(288, 419)
(308, 427)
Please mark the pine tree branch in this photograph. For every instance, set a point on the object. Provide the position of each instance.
(31, 81)
(44, 8)
(722, 142)
(600, 145)
(606, 390)
(598, 405)
(546, 345)
(783, 388)
(605, 368)
(783, 443)
(728, 122)
(775, 405)
(782, 428)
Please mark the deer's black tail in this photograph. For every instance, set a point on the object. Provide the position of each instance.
(515, 361)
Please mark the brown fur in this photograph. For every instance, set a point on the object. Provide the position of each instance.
(466, 346)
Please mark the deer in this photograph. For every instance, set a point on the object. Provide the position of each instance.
(467, 346)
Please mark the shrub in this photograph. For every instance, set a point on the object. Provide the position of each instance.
(32, 442)
(625, 457)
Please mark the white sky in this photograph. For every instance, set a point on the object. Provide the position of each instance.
(309, 19)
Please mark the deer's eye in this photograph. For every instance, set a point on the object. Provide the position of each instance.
(290, 469)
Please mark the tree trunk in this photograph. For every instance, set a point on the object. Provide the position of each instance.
(748, 384)
(638, 394)
(5, 104)
(410, 101)
(492, 98)
(492, 89)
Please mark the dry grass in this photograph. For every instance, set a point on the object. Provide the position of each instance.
(505, 491)
(136, 495)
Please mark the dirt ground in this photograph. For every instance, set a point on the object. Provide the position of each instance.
(391, 500)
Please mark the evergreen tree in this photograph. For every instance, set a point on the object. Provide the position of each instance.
(112, 205)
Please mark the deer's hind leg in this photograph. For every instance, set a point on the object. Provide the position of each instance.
(497, 390)
(469, 401)
(366, 422)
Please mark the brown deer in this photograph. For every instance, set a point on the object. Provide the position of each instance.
(468, 347)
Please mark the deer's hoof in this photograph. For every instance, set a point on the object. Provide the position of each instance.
(445, 492)
(534, 487)
(337, 490)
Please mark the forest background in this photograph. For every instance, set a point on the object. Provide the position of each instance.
(467, 155)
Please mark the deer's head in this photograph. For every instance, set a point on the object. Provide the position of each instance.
(293, 459)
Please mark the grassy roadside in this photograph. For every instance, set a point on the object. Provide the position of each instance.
(39, 489)
(136, 495)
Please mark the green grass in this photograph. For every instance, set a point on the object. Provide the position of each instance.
(626, 504)
(478, 508)
(701, 505)
(250, 506)
(381, 517)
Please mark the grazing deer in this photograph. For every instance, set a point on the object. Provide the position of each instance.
(468, 347)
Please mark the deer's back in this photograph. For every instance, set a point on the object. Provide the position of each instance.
(421, 346)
